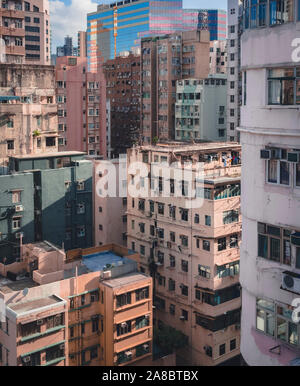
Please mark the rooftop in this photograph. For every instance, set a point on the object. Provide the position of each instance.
(7, 285)
(21, 308)
(126, 279)
(181, 147)
(48, 155)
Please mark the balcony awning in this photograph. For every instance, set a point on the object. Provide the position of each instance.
(9, 98)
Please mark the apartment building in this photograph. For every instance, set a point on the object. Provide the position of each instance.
(212, 20)
(81, 107)
(200, 110)
(234, 75)
(270, 254)
(187, 229)
(81, 40)
(87, 308)
(28, 110)
(110, 219)
(164, 60)
(12, 32)
(37, 32)
(218, 57)
(46, 197)
(122, 76)
(25, 31)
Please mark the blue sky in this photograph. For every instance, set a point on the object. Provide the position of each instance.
(69, 16)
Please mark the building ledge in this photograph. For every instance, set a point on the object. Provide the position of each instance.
(54, 361)
(40, 334)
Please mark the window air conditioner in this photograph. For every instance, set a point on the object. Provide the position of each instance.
(19, 235)
(19, 208)
(39, 322)
(291, 282)
(128, 354)
(146, 346)
(182, 318)
(26, 359)
(293, 157)
(265, 154)
(295, 239)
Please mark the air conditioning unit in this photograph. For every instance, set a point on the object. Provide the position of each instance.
(106, 275)
(265, 154)
(26, 359)
(147, 316)
(295, 239)
(128, 354)
(146, 347)
(182, 318)
(19, 235)
(39, 322)
(124, 324)
(19, 208)
(291, 282)
(293, 157)
(62, 346)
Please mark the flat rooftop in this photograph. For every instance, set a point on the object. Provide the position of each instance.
(130, 278)
(48, 155)
(21, 308)
(7, 285)
(100, 261)
(180, 147)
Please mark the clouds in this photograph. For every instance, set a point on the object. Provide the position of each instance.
(68, 19)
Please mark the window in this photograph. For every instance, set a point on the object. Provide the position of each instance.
(206, 245)
(222, 349)
(171, 310)
(204, 271)
(184, 214)
(282, 83)
(10, 145)
(161, 208)
(274, 243)
(16, 197)
(94, 353)
(95, 323)
(94, 296)
(172, 261)
(123, 300)
(233, 241)
(80, 185)
(16, 223)
(142, 250)
(230, 216)
(232, 344)
(80, 231)
(184, 266)
(197, 219)
(184, 290)
(231, 269)
(142, 293)
(207, 220)
(50, 141)
(184, 241)
(278, 172)
(222, 244)
(184, 314)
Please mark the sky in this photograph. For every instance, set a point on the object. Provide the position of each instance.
(69, 16)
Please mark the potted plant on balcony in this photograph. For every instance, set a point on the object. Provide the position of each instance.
(36, 133)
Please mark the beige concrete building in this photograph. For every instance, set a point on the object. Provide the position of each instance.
(218, 57)
(192, 252)
(82, 47)
(164, 60)
(28, 110)
(87, 308)
(25, 31)
(110, 219)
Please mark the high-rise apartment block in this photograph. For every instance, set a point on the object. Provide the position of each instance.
(25, 31)
(28, 110)
(270, 139)
(218, 57)
(46, 197)
(122, 76)
(90, 307)
(164, 60)
(212, 20)
(200, 110)
(190, 247)
(81, 36)
(234, 76)
(110, 219)
(81, 97)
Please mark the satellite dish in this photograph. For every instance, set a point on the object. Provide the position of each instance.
(25, 291)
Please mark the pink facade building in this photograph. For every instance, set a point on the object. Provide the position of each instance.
(81, 99)
(87, 308)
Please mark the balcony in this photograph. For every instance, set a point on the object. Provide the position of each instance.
(12, 13)
(12, 31)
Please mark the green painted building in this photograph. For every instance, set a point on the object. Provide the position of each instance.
(46, 197)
